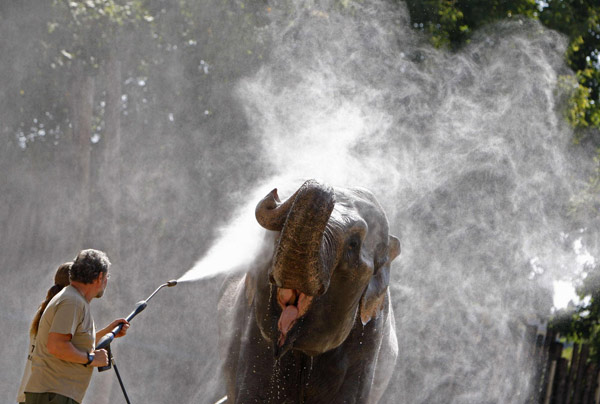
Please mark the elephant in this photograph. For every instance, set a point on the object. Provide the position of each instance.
(310, 320)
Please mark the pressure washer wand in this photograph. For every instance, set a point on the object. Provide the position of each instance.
(108, 338)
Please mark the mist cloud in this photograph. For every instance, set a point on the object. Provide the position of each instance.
(470, 156)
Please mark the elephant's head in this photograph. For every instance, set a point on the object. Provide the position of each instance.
(330, 267)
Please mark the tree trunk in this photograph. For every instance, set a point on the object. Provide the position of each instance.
(105, 189)
(81, 115)
(108, 176)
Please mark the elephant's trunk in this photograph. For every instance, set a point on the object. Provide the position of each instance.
(304, 256)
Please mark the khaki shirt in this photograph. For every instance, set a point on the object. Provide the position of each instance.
(67, 313)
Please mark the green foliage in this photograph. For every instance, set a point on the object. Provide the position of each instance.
(207, 45)
(86, 30)
(65, 41)
(577, 104)
(450, 23)
(582, 323)
(580, 21)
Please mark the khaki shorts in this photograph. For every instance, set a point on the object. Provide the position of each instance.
(48, 398)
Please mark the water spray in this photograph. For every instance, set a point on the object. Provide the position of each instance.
(105, 341)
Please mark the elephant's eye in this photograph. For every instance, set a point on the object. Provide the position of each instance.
(353, 246)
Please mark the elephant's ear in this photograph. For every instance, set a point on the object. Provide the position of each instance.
(372, 300)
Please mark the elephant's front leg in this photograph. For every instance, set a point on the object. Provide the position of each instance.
(357, 357)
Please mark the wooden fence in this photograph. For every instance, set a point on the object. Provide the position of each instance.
(559, 381)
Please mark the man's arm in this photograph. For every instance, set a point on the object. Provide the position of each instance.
(60, 346)
(101, 333)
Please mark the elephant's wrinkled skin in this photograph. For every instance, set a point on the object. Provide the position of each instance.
(313, 322)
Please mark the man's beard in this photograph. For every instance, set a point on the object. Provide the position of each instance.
(100, 293)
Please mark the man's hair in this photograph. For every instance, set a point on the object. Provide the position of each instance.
(87, 266)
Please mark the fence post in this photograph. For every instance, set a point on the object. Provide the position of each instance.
(579, 383)
(550, 382)
(572, 374)
(554, 354)
(538, 369)
(597, 393)
(544, 364)
(589, 383)
(562, 374)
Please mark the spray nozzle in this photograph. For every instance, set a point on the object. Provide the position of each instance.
(141, 305)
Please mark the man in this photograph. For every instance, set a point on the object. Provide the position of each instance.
(64, 355)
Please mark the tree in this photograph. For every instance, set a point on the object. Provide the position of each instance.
(89, 84)
(450, 23)
(581, 323)
(580, 21)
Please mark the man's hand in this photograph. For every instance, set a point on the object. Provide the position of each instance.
(123, 329)
(100, 358)
(111, 326)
